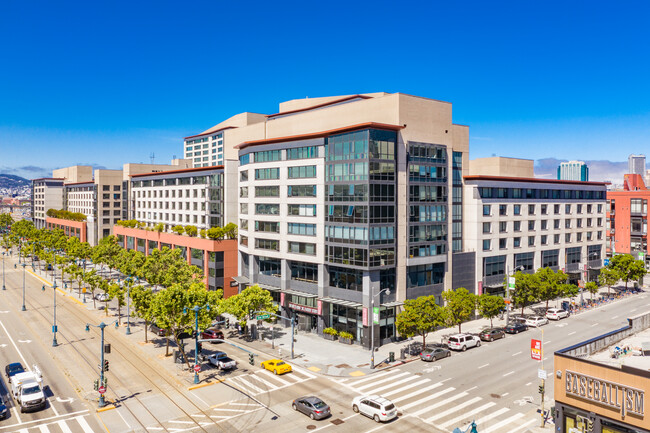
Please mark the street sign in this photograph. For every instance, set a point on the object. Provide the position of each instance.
(263, 316)
(197, 368)
(536, 349)
(606, 262)
(541, 374)
(511, 282)
(102, 389)
(375, 315)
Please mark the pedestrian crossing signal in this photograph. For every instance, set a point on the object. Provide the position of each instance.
(96, 384)
(251, 359)
(541, 389)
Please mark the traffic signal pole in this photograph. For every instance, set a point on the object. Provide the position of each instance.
(293, 325)
(542, 389)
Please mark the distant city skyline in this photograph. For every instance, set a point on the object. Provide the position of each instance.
(95, 96)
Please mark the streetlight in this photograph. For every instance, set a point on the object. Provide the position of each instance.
(518, 268)
(3, 271)
(23, 265)
(54, 328)
(586, 269)
(101, 326)
(128, 306)
(372, 325)
(196, 310)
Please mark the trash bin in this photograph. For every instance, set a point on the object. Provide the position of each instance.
(391, 356)
(178, 359)
(402, 354)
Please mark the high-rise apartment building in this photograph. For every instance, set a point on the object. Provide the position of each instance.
(47, 193)
(346, 203)
(636, 164)
(573, 170)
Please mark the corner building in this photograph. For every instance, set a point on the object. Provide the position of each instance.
(343, 197)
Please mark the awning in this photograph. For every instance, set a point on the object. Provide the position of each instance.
(269, 288)
(341, 302)
(241, 279)
(393, 304)
(294, 292)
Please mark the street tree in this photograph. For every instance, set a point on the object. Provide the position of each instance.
(608, 277)
(5, 220)
(420, 316)
(252, 298)
(142, 298)
(116, 291)
(592, 287)
(627, 267)
(526, 290)
(107, 253)
(550, 283)
(459, 306)
(489, 306)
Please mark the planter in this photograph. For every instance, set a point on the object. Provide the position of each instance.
(329, 337)
(345, 340)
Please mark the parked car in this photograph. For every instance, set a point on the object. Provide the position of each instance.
(515, 328)
(313, 407)
(13, 369)
(212, 333)
(184, 335)
(463, 342)
(157, 330)
(434, 353)
(102, 297)
(517, 318)
(556, 313)
(491, 334)
(536, 321)
(222, 361)
(375, 407)
(3, 409)
(277, 366)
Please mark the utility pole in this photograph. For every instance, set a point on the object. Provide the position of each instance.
(542, 387)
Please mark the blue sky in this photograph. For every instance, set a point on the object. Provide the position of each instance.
(106, 83)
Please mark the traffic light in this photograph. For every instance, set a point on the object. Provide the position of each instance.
(251, 359)
(541, 389)
(200, 347)
(227, 323)
(106, 365)
(96, 384)
(590, 424)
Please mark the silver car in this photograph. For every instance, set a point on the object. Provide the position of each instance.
(313, 407)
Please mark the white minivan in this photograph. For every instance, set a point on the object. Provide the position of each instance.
(556, 314)
(375, 407)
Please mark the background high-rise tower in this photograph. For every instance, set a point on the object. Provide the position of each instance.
(636, 164)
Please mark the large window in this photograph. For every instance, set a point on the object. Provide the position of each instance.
(357, 192)
(346, 172)
(573, 255)
(353, 145)
(267, 244)
(267, 191)
(268, 155)
(347, 255)
(304, 171)
(495, 265)
(301, 191)
(301, 229)
(550, 258)
(267, 209)
(423, 152)
(267, 173)
(347, 234)
(301, 209)
(302, 248)
(382, 144)
(343, 278)
(267, 226)
(526, 260)
(425, 275)
(302, 271)
(302, 152)
(269, 266)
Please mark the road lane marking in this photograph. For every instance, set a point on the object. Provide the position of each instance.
(492, 415)
(547, 342)
(275, 377)
(509, 373)
(443, 381)
(571, 333)
(528, 383)
(518, 353)
(419, 391)
(181, 422)
(594, 324)
(64, 426)
(504, 394)
(390, 385)
(43, 428)
(483, 366)
(614, 317)
(472, 388)
(504, 422)
(430, 397)
(466, 415)
(453, 409)
(523, 426)
(365, 379)
(440, 403)
(16, 347)
(84, 424)
(330, 424)
(404, 388)
(247, 386)
(388, 379)
(16, 415)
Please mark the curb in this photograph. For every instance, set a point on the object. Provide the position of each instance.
(108, 407)
(203, 385)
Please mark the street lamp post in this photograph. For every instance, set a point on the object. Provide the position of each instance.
(3, 271)
(102, 381)
(508, 306)
(128, 306)
(196, 310)
(23, 265)
(372, 326)
(54, 329)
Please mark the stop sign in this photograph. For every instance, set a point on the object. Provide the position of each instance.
(102, 389)
(197, 368)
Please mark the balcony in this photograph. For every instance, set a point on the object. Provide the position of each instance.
(573, 267)
(595, 264)
(494, 280)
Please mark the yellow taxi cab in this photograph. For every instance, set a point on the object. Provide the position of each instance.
(277, 366)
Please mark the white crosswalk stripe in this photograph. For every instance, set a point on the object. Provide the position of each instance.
(84, 424)
(262, 381)
(468, 414)
(274, 377)
(432, 397)
(369, 378)
(420, 391)
(500, 424)
(523, 426)
(379, 382)
(479, 422)
(409, 386)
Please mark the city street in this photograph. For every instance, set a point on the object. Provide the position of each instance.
(495, 384)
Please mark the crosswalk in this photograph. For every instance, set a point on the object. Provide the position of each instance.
(263, 381)
(77, 424)
(438, 403)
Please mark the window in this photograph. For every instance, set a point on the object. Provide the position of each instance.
(516, 242)
(589, 208)
(243, 191)
(350, 279)
(579, 223)
(503, 209)
(556, 224)
(494, 266)
(267, 173)
(578, 208)
(243, 224)
(267, 226)
(267, 244)
(567, 224)
(486, 210)
(302, 248)
(424, 275)
(486, 244)
(269, 266)
(531, 209)
(267, 209)
(302, 152)
(487, 228)
(567, 237)
(503, 227)
(301, 209)
(544, 224)
(306, 171)
(267, 191)
(301, 271)
(503, 243)
(600, 208)
(301, 229)
(517, 226)
(550, 258)
(544, 239)
(517, 209)
(556, 239)
(268, 155)
(531, 225)
(567, 209)
(578, 237)
(556, 209)
(526, 260)
(544, 209)
(301, 191)
(244, 159)
(243, 208)
(531, 241)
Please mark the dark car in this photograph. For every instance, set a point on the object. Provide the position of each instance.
(157, 330)
(313, 407)
(515, 328)
(3, 409)
(13, 369)
(183, 335)
(434, 353)
(491, 334)
(212, 333)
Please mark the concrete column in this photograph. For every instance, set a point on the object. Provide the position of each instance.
(286, 274)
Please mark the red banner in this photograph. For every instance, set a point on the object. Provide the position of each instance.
(282, 299)
(364, 316)
(320, 307)
(536, 349)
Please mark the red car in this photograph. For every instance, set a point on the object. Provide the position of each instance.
(212, 333)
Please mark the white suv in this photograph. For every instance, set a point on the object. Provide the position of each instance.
(556, 313)
(375, 407)
(463, 341)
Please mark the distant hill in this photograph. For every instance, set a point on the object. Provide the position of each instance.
(13, 181)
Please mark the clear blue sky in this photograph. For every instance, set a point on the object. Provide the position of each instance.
(110, 82)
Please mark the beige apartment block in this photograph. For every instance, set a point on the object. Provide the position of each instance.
(502, 166)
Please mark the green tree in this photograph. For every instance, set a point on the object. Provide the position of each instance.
(142, 299)
(107, 252)
(6, 220)
(526, 290)
(459, 306)
(489, 306)
(191, 231)
(549, 283)
(592, 288)
(179, 230)
(251, 299)
(160, 227)
(628, 268)
(419, 317)
(94, 282)
(569, 290)
(230, 231)
(608, 277)
(116, 291)
(215, 233)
